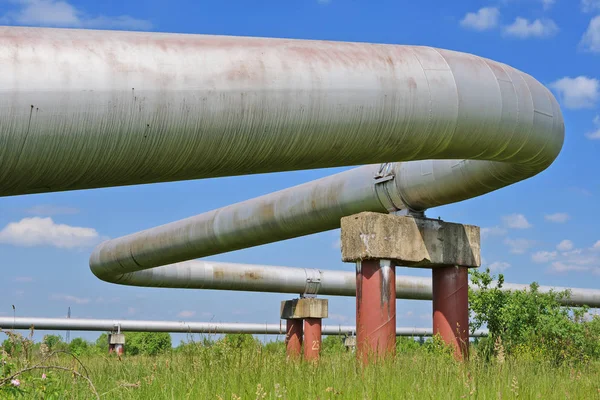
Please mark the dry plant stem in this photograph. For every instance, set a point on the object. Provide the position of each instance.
(92, 387)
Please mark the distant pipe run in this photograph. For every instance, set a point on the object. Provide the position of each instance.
(199, 274)
(110, 325)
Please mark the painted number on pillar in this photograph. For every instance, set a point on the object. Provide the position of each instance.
(315, 345)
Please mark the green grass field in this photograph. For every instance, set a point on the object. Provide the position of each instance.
(262, 372)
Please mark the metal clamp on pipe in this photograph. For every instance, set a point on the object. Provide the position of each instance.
(313, 283)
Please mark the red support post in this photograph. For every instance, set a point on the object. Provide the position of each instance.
(375, 309)
(312, 338)
(293, 338)
(451, 308)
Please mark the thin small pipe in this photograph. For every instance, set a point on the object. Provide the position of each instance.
(111, 325)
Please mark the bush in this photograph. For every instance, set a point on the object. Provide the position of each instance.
(407, 344)
(79, 347)
(530, 324)
(332, 344)
(147, 343)
(240, 341)
(54, 342)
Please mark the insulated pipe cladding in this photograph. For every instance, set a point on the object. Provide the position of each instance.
(198, 274)
(87, 109)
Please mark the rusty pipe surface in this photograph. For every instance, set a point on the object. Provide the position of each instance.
(201, 274)
(87, 109)
(80, 324)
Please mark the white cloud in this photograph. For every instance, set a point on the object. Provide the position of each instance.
(591, 38)
(577, 260)
(499, 266)
(484, 19)
(560, 266)
(493, 231)
(579, 92)
(103, 300)
(23, 279)
(70, 299)
(565, 245)
(186, 314)
(49, 210)
(523, 29)
(337, 244)
(518, 246)
(516, 221)
(590, 5)
(543, 256)
(559, 218)
(38, 231)
(595, 135)
(62, 14)
(548, 4)
(131, 311)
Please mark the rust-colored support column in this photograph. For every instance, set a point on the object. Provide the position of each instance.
(451, 307)
(293, 338)
(312, 338)
(116, 343)
(311, 312)
(375, 309)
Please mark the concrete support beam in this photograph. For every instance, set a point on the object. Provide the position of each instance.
(311, 312)
(116, 343)
(408, 241)
(309, 307)
(375, 309)
(377, 243)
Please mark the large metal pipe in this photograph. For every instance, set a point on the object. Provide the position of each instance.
(85, 109)
(199, 274)
(110, 325)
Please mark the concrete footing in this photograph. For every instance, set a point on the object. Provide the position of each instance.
(116, 343)
(303, 326)
(375, 309)
(451, 308)
(377, 243)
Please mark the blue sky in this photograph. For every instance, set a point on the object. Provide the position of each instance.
(543, 229)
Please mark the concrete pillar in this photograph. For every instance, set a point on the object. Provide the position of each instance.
(350, 343)
(451, 308)
(375, 309)
(116, 343)
(309, 311)
(293, 338)
(312, 338)
(369, 238)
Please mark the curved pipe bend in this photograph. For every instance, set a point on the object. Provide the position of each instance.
(91, 109)
(483, 124)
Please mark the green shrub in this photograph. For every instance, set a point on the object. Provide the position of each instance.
(528, 324)
(79, 347)
(332, 344)
(147, 343)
